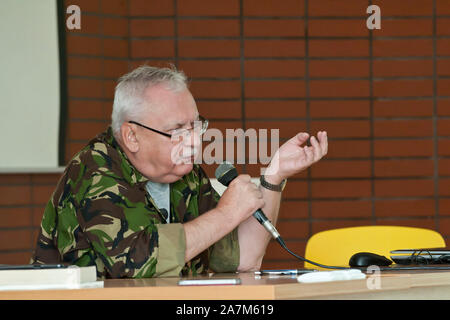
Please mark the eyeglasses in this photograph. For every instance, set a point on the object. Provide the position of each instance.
(199, 126)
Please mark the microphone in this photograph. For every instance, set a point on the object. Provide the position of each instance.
(226, 173)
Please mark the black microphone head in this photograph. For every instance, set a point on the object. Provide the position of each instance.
(225, 173)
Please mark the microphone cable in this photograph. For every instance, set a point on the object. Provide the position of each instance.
(284, 246)
(226, 173)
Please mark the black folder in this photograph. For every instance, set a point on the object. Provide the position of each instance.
(421, 256)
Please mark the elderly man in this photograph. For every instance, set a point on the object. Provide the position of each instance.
(126, 205)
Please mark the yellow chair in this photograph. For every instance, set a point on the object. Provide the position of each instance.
(335, 247)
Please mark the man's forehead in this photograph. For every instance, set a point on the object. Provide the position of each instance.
(180, 121)
(172, 108)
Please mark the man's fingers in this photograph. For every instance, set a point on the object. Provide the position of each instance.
(316, 148)
(323, 141)
(261, 203)
(300, 138)
(245, 177)
(258, 194)
(309, 154)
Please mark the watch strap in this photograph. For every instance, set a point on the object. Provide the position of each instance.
(273, 187)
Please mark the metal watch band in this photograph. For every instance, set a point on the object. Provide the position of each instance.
(273, 187)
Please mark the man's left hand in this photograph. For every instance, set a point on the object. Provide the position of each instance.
(291, 158)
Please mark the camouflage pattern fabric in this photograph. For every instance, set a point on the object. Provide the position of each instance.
(101, 214)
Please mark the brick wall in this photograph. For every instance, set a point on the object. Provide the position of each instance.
(296, 65)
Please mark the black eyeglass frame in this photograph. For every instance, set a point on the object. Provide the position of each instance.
(200, 118)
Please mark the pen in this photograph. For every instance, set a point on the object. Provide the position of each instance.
(284, 271)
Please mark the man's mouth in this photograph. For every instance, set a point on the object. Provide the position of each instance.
(186, 156)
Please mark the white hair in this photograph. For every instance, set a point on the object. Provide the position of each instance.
(129, 102)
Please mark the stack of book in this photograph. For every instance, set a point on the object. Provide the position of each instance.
(40, 277)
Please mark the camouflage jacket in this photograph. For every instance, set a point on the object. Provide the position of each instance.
(101, 214)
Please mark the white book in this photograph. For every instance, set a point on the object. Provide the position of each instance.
(71, 277)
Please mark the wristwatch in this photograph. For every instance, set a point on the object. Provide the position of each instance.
(273, 187)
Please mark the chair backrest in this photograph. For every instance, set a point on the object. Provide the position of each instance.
(335, 247)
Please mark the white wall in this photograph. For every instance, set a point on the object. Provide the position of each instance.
(29, 84)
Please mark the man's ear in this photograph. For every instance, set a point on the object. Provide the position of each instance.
(129, 138)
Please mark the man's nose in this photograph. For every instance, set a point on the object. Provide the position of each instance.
(193, 139)
(196, 139)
